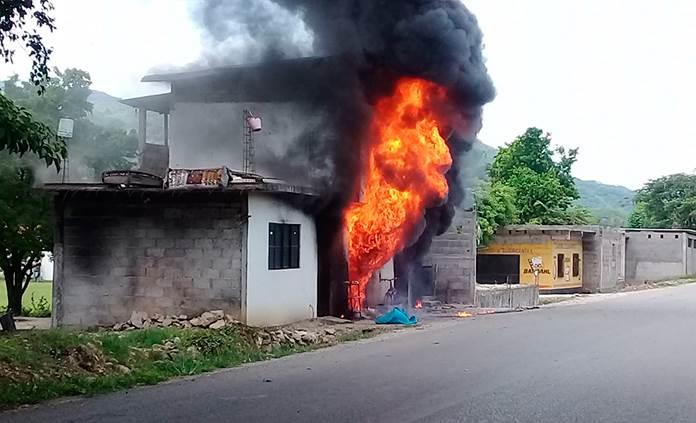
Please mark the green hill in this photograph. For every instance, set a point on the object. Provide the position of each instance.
(611, 204)
(108, 111)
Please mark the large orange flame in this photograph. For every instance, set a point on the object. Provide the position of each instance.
(404, 175)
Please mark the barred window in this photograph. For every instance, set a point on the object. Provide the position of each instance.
(283, 246)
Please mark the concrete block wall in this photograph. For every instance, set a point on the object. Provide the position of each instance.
(120, 252)
(507, 296)
(453, 256)
(603, 263)
(655, 255)
(613, 259)
(591, 262)
(690, 253)
(534, 237)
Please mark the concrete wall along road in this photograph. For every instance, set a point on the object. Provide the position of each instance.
(507, 296)
(285, 295)
(166, 253)
(655, 255)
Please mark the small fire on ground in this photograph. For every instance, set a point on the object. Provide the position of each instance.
(464, 314)
(419, 304)
(405, 174)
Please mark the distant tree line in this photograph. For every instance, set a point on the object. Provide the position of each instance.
(666, 202)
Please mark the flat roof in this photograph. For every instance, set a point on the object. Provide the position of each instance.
(276, 65)
(269, 187)
(158, 103)
(671, 230)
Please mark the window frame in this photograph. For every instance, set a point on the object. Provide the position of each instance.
(575, 271)
(560, 265)
(284, 246)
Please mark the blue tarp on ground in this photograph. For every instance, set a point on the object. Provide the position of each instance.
(397, 316)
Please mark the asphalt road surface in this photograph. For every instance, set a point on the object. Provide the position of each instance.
(623, 358)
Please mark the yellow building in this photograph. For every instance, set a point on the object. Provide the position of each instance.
(544, 255)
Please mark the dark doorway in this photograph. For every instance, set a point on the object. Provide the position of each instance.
(560, 266)
(497, 268)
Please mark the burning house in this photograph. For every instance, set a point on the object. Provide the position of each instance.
(376, 123)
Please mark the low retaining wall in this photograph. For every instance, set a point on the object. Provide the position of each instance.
(507, 296)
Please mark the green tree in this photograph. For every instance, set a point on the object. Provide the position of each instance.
(544, 187)
(537, 179)
(20, 133)
(25, 229)
(67, 96)
(495, 207)
(20, 23)
(638, 218)
(666, 202)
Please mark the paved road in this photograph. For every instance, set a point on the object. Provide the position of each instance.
(627, 358)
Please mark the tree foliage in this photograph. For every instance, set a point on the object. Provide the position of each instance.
(495, 206)
(20, 133)
(25, 229)
(67, 96)
(530, 183)
(20, 23)
(666, 202)
(24, 212)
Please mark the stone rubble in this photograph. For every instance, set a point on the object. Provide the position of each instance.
(213, 319)
(323, 331)
(265, 338)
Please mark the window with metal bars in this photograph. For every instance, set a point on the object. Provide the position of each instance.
(283, 246)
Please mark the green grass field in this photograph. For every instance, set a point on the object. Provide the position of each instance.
(39, 289)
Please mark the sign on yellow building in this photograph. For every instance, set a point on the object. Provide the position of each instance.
(553, 264)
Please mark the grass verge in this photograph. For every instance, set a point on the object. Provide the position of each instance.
(37, 289)
(41, 365)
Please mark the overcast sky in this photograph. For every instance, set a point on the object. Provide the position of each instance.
(615, 78)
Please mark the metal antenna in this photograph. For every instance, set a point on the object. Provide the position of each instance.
(66, 164)
(249, 152)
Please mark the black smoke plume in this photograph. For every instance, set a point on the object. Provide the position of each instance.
(368, 46)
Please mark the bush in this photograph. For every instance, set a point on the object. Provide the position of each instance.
(38, 308)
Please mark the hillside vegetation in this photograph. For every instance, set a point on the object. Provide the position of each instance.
(610, 204)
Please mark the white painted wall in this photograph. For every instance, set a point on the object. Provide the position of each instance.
(275, 297)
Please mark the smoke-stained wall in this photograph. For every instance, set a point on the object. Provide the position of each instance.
(211, 134)
(371, 45)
